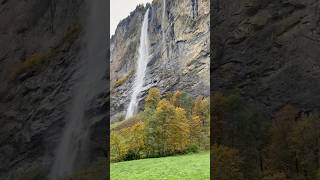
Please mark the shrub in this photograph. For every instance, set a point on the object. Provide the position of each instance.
(122, 80)
(29, 63)
(193, 148)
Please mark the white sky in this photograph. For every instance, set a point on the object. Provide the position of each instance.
(120, 9)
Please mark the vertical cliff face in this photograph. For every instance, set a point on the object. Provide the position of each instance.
(40, 57)
(268, 51)
(179, 48)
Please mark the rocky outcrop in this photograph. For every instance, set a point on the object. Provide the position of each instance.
(40, 53)
(179, 40)
(268, 51)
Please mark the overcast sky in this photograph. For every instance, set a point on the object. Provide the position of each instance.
(120, 9)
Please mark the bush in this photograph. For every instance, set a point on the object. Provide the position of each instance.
(193, 148)
(122, 80)
(29, 63)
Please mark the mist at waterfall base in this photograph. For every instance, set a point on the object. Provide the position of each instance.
(141, 67)
(72, 151)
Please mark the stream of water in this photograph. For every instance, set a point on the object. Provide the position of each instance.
(141, 67)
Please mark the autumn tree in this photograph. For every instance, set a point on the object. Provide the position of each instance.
(118, 149)
(304, 144)
(151, 102)
(152, 98)
(179, 131)
(158, 128)
(201, 108)
(176, 99)
(135, 138)
(195, 130)
(280, 156)
(226, 163)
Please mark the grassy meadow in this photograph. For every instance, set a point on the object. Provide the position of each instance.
(184, 167)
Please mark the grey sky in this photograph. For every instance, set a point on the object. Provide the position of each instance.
(120, 9)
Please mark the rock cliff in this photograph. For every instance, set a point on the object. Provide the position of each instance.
(180, 59)
(40, 53)
(268, 51)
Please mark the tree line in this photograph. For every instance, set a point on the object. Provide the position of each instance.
(246, 144)
(174, 123)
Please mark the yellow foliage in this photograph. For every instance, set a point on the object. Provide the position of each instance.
(195, 130)
(153, 98)
(201, 108)
(179, 131)
(118, 148)
(134, 136)
(175, 99)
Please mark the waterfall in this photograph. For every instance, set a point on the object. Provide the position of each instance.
(141, 67)
(89, 81)
(194, 8)
(162, 22)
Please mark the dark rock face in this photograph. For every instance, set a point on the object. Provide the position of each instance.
(33, 103)
(268, 50)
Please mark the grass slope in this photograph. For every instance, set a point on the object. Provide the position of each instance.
(186, 167)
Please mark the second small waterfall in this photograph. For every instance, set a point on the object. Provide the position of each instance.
(141, 67)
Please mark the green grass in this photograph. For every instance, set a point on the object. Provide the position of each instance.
(186, 167)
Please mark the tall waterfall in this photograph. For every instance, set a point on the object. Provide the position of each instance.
(141, 67)
(72, 151)
(163, 22)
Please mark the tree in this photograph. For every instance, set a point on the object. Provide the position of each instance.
(280, 156)
(226, 163)
(158, 128)
(153, 98)
(201, 108)
(134, 140)
(218, 107)
(176, 99)
(304, 144)
(195, 130)
(118, 148)
(179, 131)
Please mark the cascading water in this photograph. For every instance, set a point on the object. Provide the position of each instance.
(141, 67)
(162, 22)
(90, 81)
